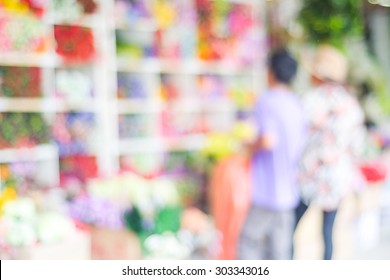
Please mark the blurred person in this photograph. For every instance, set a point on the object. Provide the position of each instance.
(335, 134)
(278, 116)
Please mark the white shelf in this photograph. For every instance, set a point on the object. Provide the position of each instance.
(88, 21)
(159, 144)
(132, 106)
(195, 67)
(29, 59)
(140, 146)
(246, 2)
(106, 105)
(42, 60)
(141, 26)
(196, 106)
(38, 153)
(43, 105)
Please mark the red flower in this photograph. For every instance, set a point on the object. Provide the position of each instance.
(74, 43)
(89, 6)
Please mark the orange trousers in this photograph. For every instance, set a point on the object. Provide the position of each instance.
(230, 201)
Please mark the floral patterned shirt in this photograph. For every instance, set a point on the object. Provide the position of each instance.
(335, 140)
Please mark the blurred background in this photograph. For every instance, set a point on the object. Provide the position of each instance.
(115, 114)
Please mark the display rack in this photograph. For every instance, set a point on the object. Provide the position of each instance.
(111, 139)
(37, 153)
(48, 103)
(185, 70)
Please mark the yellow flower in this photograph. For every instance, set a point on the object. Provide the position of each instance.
(8, 194)
(219, 146)
(164, 13)
(4, 172)
(244, 131)
(15, 6)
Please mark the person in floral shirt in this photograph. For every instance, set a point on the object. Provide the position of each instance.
(335, 140)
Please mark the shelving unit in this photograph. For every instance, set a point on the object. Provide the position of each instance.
(37, 153)
(48, 103)
(46, 156)
(157, 72)
(185, 69)
(95, 124)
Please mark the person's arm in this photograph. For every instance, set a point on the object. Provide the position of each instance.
(265, 125)
(262, 143)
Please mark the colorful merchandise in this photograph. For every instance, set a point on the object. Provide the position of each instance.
(67, 10)
(133, 126)
(160, 13)
(211, 86)
(89, 6)
(98, 212)
(20, 82)
(240, 91)
(19, 218)
(176, 33)
(220, 146)
(26, 226)
(73, 133)
(196, 239)
(77, 168)
(23, 7)
(224, 32)
(175, 125)
(150, 208)
(145, 165)
(167, 29)
(186, 31)
(22, 34)
(169, 88)
(22, 130)
(131, 12)
(7, 194)
(164, 13)
(167, 246)
(74, 86)
(72, 10)
(180, 162)
(131, 86)
(135, 44)
(74, 43)
(21, 176)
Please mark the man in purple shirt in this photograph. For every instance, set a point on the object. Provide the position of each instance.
(268, 230)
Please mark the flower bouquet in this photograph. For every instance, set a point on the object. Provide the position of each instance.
(74, 43)
(22, 34)
(154, 211)
(22, 130)
(20, 82)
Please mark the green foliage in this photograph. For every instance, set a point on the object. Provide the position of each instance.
(133, 220)
(168, 220)
(16, 127)
(331, 21)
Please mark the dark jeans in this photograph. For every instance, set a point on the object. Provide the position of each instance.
(327, 227)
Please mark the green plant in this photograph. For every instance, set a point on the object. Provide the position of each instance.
(331, 21)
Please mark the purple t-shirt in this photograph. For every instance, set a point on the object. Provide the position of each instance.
(279, 113)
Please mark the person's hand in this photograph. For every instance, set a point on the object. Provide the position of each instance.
(248, 149)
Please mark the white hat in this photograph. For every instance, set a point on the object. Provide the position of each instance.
(329, 64)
